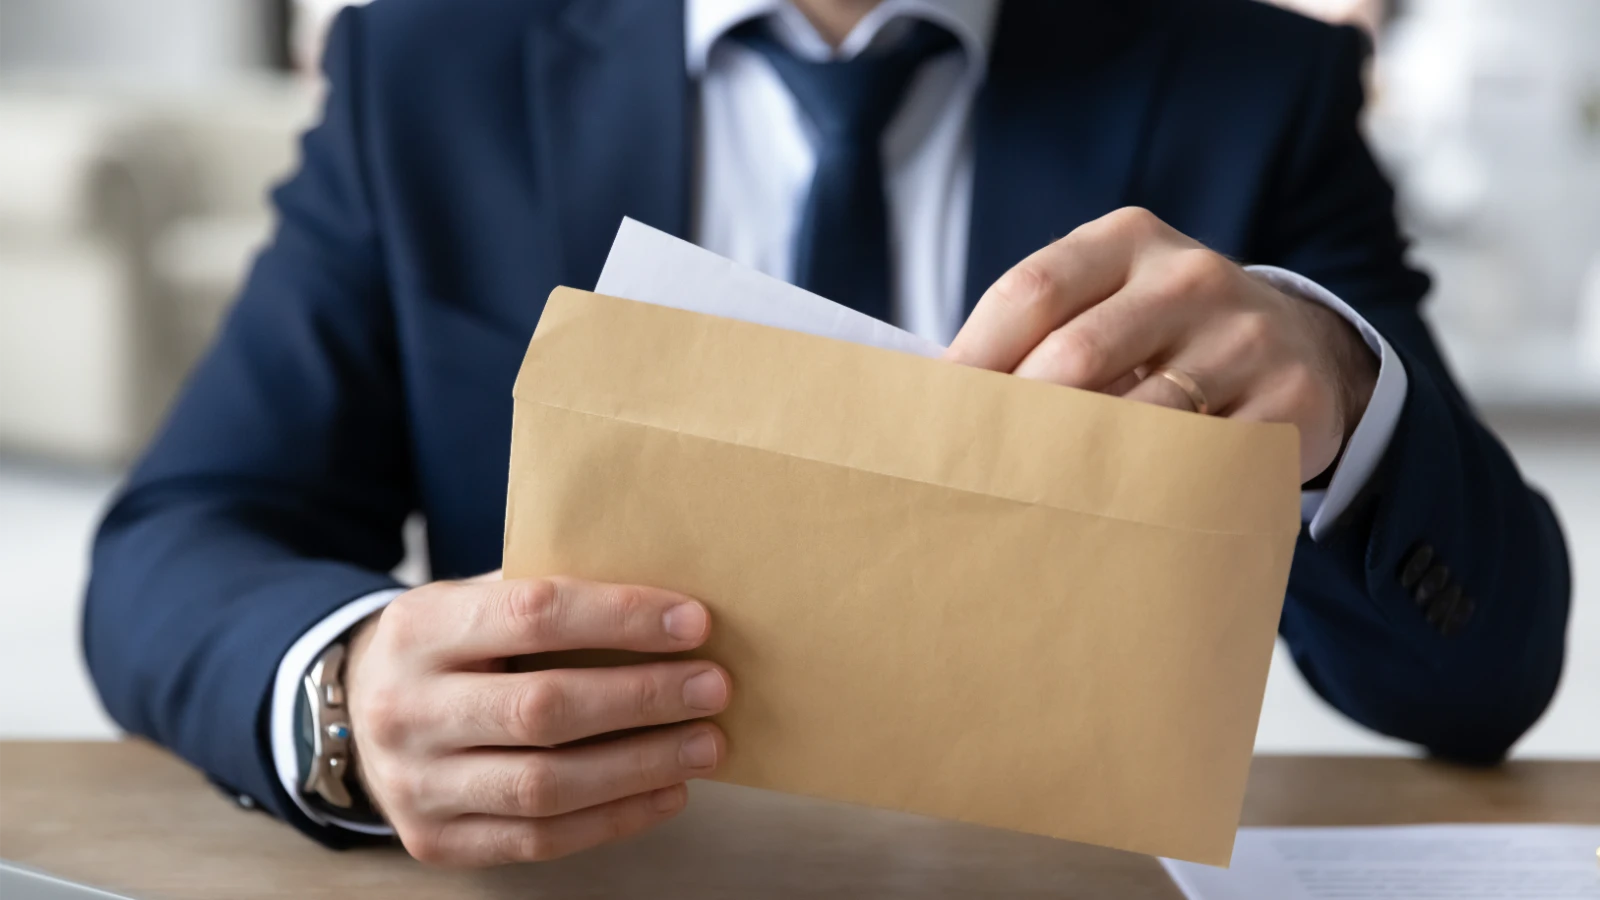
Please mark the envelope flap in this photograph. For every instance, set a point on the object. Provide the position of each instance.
(908, 417)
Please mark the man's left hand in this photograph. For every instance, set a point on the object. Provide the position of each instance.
(1111, 304)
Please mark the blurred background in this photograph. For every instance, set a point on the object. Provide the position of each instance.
(138, 139)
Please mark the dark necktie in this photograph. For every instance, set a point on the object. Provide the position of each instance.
(842, 245)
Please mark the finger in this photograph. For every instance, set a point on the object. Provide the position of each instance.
(491, 620)
(1228, 356)
(1124, 384)
(495, 840)
(1107, 342)
(541, 783)
(1159, 391)
(1050, 287)
(1223, 379)
(557, 706)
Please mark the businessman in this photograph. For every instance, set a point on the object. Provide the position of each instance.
(1167, 200)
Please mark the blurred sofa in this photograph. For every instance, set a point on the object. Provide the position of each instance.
(127, 219)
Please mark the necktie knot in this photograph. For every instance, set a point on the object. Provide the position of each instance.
(851, 99)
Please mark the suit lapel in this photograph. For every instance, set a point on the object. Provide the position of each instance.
(609, 110)
(1059, 125)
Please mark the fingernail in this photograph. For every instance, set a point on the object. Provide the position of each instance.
(706, 691)
(668, 799)
(698, 752)
(686, 621)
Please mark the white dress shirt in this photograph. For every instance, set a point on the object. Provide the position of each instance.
(754, 170)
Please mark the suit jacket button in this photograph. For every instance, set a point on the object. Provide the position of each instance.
(1416, 565)
(1437, 579)
(1442, 607)
(1460, 613)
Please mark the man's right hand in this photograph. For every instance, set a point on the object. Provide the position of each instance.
(473, 765)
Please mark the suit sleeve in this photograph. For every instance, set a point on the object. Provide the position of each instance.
(1461, 653)
(275, 492)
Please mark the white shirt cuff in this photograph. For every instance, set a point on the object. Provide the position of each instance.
(1371, 437)
(291, 671)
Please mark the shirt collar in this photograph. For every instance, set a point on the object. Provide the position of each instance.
(707, 21)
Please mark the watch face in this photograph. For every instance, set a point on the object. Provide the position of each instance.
(361, 809)
(304, 745)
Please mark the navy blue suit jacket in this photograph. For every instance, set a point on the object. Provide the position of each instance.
(476, 153)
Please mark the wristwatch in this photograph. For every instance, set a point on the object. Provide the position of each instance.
(324, 748)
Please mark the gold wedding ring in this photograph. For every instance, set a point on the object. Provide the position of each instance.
(1188, 385)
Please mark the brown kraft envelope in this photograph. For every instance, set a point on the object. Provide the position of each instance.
(938, 589)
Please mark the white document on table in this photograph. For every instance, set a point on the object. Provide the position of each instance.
(1407, 862)
(651, 266)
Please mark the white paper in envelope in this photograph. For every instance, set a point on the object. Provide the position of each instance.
(652, 266)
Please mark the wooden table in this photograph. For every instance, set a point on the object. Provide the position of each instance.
(126, 816)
